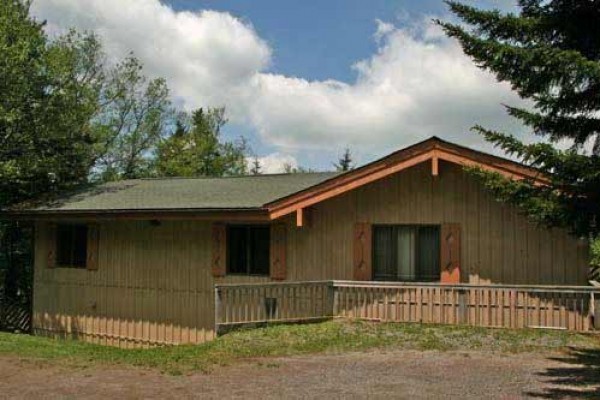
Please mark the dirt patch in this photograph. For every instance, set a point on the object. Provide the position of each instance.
(393, 374)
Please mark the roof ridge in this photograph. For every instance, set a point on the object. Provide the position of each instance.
(168, 178)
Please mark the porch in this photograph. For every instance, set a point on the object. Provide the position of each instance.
(573, 308)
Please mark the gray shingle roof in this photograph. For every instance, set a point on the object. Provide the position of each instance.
(245, 192)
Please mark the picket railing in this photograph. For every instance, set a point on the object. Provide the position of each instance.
(272, 302)
(575, 308)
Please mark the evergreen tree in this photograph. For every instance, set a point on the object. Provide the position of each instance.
(255, 168)
(49, 92)
(345, 162)
(549, 52)
(290, 169)
(199, 150)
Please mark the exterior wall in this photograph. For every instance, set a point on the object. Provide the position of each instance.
(154, 284)
(498, 244)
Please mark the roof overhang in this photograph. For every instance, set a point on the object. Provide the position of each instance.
(247, 215)
(431, 150)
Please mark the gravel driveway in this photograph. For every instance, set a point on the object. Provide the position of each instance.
(377, 375)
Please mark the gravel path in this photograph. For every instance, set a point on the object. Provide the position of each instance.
(377, 375)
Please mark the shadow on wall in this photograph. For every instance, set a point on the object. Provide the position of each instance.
(579, 377)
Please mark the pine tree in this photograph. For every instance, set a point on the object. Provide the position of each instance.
(255, 168)
(549, 52)
(345, 162)
(198, 150)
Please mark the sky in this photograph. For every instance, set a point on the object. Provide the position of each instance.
(303, 80)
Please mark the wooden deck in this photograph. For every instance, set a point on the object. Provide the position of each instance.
(574, 308)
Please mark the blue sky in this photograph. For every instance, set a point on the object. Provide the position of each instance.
(304, 79)
(320, 39)
(317, 39)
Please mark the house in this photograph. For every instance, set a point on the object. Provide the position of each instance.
(135, 262)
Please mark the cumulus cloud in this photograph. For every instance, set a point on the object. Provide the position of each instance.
(208, 57)
(417, 84)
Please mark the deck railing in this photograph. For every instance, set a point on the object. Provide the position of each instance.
(272, 302)
(575, 308)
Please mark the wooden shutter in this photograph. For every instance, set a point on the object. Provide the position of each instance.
(278, 246)
(93, 239)
(450, 253)
(219, 250)
(51, 243)
(363, 269)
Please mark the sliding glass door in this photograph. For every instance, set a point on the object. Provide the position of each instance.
(406, 253)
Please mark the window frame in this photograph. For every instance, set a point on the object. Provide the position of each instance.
(72, 262)
(418, 277)
(248, 250)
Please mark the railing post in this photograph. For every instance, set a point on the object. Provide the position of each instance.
(217, 309)
(332, 295)
(462, 307)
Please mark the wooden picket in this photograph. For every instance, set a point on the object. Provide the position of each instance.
(575, 308)
(272, 302)
(551, 307)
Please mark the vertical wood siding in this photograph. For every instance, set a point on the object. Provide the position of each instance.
(498, 245)
(154, 283)
(153, 286)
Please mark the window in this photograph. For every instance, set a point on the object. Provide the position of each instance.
(71, 245)
(248, 249)
(406, 253)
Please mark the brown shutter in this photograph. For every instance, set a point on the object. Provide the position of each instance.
(93, 238)
(450, 253)
(51, 243)
(278, 246)
(362, 252)
(219, 250)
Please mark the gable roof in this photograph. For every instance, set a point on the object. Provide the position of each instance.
(432, 149)
(263, 197)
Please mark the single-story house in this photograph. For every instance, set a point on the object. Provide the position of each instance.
(135, 262)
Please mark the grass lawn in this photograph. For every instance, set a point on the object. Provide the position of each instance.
(287, 340)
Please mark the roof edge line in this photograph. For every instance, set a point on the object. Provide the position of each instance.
(396, 162)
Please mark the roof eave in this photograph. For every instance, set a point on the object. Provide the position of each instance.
(430, 149)
(239, 214)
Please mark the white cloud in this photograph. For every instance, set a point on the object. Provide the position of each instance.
(208, 57)
(416, 85)
(274, 163)
(383, 29)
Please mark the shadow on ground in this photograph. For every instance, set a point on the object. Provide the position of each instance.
(578, 377)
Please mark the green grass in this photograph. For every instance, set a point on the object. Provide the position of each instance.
(287, 340)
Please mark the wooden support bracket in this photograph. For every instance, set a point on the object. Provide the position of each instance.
(300, 217)
(434, 164)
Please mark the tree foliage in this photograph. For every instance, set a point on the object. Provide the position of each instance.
(549, 52)
(49, 92)
(345, 162)
(255, 167)
(196, 148)
(291, 169)
(134, 114)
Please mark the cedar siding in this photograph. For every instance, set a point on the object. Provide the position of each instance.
(154, 283)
